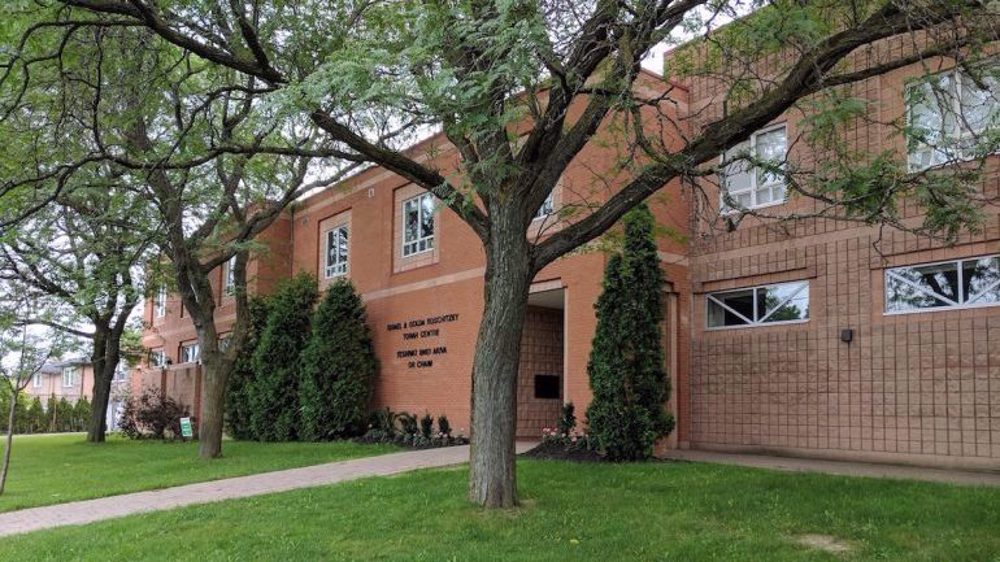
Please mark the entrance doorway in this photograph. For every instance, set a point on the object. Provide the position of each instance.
(540, 378)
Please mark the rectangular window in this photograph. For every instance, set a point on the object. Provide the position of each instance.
(119, 375)
(160, 302)
(954, 284)
(190, 353)
(750, 176)
(336, 251)
(36, 380)
(947, 115)
(418, 224)
(229, 276)
(69, 377)
(754, 306)
(157, 358)
(547, 208)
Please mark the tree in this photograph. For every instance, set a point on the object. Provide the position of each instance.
(36, 416)
(338, 367)
(554, 72)
(23, 353)
(239, 400)
(630, 387)
(274, 390)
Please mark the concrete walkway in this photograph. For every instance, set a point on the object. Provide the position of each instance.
(89, 511)
(843, 468)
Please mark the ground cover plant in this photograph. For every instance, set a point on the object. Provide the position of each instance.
(49, 469)
(648, 511)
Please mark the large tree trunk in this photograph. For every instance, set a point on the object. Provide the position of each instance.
(10, 441)
(492, 479)
(215, 376)
(100, 361)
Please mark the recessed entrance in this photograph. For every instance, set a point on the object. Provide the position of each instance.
(540, 380)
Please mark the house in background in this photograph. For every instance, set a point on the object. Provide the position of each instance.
(73, 379)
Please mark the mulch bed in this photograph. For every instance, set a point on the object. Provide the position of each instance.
(558, 451)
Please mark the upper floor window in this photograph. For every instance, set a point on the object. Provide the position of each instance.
(948, 114)
(160, 302)
(190, 353)
(952, 284)
(36, 380)
(157, 358)
(336, 251)
(229, 276)
(767, 304)
(119, 374)
(418, 224)
(749, 178)
(69, 376)
(548, 206)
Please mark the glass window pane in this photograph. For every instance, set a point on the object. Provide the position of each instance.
(412, 220)
(979, 100)
(981, 280)
(738, 301)
(427, 216)
(914, 288)
(782, 303)
(770, 147)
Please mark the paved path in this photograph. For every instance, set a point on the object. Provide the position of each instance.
(89, 511)
(841, 467)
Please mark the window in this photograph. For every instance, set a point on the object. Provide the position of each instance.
(767, 304)
(36, 380)
(953, 284)
(224, 342)
(418, 224)
(336, 251)
(160, 302)
(547, 208)
(190, 353)
(946, 114)
(229, 276)
(746, 186)
(157, 358)
(69, 376)
(119, 375)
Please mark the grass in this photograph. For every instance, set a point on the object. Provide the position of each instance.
(48, 469)
(662, 511)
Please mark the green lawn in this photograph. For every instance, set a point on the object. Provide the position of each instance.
(47, 469)
(664, 511)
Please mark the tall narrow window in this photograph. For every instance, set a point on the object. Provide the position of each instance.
(336, 251)
(190, 353)
(157, 358)
(229, 276)
(418, 224)
(548, 207)
(160, 302)
(69, 377)
(36, 380)
(948, 115)
(953, 284)
(750, 175)
(767, 304)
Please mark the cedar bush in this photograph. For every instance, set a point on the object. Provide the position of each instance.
(81, 414)
(52, 414)
(35, 419)
(239, 403)
(338, 367)
(274, 390)
(64, 415)
(629, 384)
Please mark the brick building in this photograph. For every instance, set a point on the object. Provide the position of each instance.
(806, 339)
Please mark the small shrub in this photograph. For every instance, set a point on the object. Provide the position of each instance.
(407, 423)
(426, 426)
(567, 422)
(383, 420)
(444, 427)
(152, 416)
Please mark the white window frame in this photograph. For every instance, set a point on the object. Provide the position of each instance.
(340, 265)
(185, 353)
(411, 247)
(724, 189)
(36, 380)
(229, 276)
(69, 377)
(954, 137)
(762, 322)
(160, 302)
(548, 206)
(158, 358)
(949, 303)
